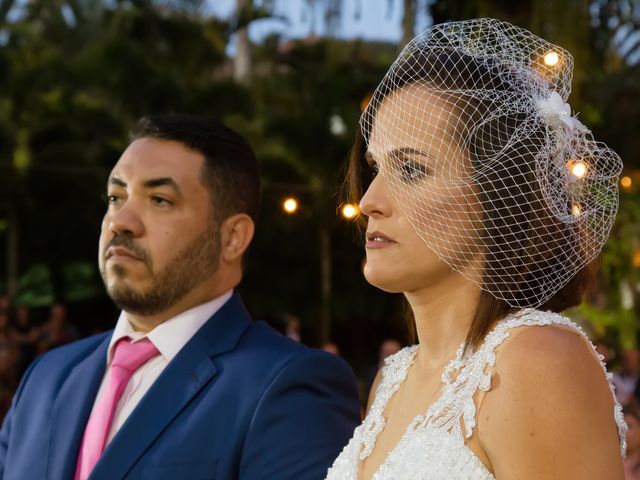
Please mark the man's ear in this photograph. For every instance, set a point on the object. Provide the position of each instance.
(236, 233)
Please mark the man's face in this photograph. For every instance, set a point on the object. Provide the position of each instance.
(158, 240)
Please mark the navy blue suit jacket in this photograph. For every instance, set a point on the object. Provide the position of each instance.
(238, 401)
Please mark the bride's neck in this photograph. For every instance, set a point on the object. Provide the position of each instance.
(443, 315)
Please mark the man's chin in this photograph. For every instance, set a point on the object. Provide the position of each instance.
(130, 300)
(121, 269)
(123, 276)
(121, 289)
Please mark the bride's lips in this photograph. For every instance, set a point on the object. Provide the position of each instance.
(378, 240)
(120, 254)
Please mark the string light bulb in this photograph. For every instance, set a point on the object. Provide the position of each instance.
(551, 59)
(350, 211)
(290, 205)
(577, 168)
(576, 210)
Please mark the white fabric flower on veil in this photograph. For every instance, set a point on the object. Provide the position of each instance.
(557, 113)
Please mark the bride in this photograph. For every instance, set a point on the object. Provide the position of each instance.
(486, 203)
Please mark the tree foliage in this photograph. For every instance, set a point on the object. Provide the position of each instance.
(76, 74)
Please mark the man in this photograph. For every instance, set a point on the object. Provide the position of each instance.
(186, 386)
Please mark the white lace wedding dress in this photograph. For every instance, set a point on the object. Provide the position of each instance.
(433, 447)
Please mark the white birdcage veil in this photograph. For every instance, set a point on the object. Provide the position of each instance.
(472, 134)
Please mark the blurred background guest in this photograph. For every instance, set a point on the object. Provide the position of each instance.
(387, 348)
(602, 347)
(331, 348)
(26, 336)
(626, 378)
(632, 462)
(293, 328)
(5, 304)
(9, 377)
(57, 330)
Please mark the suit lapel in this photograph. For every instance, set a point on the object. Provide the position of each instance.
(71, 411)
(191, 370)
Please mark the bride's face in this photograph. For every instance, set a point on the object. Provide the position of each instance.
(421, 200)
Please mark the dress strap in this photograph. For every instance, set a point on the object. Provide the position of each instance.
(476, 373)
(393, 374)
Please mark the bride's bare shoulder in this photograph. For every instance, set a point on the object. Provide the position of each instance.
(550, 411)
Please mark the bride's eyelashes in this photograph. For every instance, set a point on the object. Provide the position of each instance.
(412, 171)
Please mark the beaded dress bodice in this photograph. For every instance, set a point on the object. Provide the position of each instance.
(433, 446)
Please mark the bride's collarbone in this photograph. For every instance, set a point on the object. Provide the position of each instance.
(410, 402)
(412, 399)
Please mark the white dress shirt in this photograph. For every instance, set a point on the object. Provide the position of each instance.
(169, 337)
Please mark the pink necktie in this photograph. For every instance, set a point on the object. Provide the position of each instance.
(127, 358)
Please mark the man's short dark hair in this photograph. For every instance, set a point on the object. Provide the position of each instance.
(230, 170)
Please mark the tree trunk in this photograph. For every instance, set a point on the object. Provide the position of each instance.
(12, 252)
(408, 22)
(242, 61)
(325, 284)
(5, 6)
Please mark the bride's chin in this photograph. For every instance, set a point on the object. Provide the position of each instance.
(383, 280)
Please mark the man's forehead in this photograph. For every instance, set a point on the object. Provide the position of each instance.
(149, 158)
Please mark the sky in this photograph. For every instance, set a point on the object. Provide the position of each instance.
(377, 20)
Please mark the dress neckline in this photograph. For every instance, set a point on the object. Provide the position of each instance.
(395, 373)
(437, 438)
(406, 357)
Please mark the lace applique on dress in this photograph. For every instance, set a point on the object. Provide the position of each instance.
(433, 446)
(395, 372)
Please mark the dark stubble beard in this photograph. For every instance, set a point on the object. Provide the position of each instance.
(191, 266)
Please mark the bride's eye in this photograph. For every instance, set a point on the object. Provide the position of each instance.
(411, 170)
(370, 172)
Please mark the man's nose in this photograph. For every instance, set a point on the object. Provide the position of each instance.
(126, 220)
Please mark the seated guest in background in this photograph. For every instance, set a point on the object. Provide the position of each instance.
(632, 462)
(9, 363)
(26, 337)
(187, 386)
(626, 379)
(5, 304)
(57, 331)
(9, 358)
(7, 333)
(388, 347)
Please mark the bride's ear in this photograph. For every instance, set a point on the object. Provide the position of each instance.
(236, 233)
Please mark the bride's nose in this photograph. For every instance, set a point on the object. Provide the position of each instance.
(376, 202)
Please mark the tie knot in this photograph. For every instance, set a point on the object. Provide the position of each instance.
(131, 355)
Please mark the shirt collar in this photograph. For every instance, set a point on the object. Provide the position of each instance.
(170, 336)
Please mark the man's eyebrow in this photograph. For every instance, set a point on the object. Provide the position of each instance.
(116, 181)
(161, 182)
(151, 183)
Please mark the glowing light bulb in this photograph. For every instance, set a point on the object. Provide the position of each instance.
(551, 59)
(625, 182)
(290, 205)
(576, 209)
(577, 168)
(350, 211)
